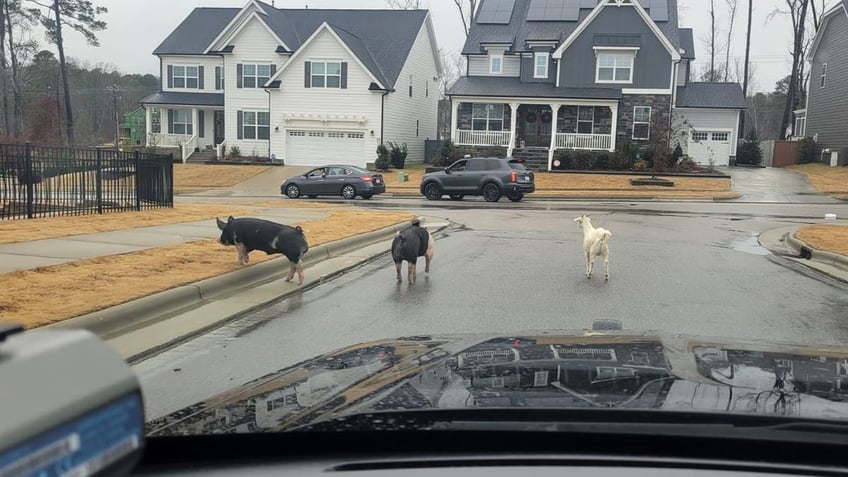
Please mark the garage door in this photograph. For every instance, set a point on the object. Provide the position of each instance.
(315, 148)
(703, 144)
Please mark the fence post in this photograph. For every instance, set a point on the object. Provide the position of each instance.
(29, 179)
(137, 180)
(98, 181)
(170, 182)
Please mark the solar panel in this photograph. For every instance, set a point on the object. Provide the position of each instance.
(554, 10)
(496, 11)
(588, 3)
(659, 10)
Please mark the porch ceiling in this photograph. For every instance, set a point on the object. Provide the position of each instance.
(500, 87)
(179, 98)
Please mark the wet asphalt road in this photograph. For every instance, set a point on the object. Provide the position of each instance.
(515, 269)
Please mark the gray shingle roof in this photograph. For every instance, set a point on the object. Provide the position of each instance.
(513, 87)
(522, 30)
(381, 39)
(197, 31)
(687, 43)
(711, 95)
(185, 98)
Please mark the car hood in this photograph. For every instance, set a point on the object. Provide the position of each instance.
(563, 371)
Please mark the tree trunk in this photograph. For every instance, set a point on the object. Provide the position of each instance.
(797, 51)
(4, 67)
(17, 117)
(747, 63)
(712, 41)
(63, 67)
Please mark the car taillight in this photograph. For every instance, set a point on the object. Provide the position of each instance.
(513, 177)
(367, 178)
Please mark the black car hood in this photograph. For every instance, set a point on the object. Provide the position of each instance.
(562, 371)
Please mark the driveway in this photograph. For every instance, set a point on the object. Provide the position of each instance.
(261, 185)
(773, 184)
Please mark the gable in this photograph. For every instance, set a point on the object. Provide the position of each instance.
(253, 38)
(838, 15)
(324, 45)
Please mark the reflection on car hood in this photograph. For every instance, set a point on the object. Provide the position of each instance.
(580, 370)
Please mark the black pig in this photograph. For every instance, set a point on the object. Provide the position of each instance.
(270, 237)
(409, 244)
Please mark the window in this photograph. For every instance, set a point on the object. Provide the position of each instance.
(186, 77)
(182, 122)
(541, 65)
(417, 127)
(585, 119)
(614, 68)
(355, 135)
(496, 64)
(256, 125)
(336, 135)
(255, 76)
(487, 117)
(699, 136)
(326, 74)
(642, 122)
(613, 373)
(823, 75)
(721, 136)
(316, 134)
(800, 127)
(297, 133)
(219, 78)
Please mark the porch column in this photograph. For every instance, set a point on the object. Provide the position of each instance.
(554, 120)
(614, 131)
(194, 122)
(148, 125)
(513, 119)
(454, 119)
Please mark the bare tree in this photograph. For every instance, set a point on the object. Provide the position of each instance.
(466, 8)
(712, 40)
(407, 4)
(731, 9)
(798, 14)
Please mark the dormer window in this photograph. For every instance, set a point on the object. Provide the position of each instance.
(541, 61)
(615, 66)
(496, 64)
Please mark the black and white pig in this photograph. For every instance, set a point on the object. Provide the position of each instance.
(250, 234)
(409, 244)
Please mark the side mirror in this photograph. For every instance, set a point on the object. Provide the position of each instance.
(447, 170)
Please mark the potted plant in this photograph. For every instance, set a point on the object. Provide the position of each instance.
(382, 162)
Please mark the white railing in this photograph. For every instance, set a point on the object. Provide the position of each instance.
(600, 142)
(163, 139)
(219, 150)
(188, 147)
(465, 137)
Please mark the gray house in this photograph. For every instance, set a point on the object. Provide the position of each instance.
(544, 75)
(827, 95)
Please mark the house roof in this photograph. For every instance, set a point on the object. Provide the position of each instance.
(197, 31)
(380, 39)
(687, 43)
(514, 88)
(522, 30)
(841, 7)
(711, 95)
(185, 98)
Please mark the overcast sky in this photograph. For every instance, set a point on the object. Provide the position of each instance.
(135, 29)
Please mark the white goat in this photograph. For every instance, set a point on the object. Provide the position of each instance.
(595, 243)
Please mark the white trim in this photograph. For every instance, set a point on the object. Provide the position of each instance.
(543, 101)
(303, 47)
(547, 57)
(634, 49)
(242, 19)
(675, 55)
(434, 48)
(598, 79)
(645, 91)
(556, 65)
(492, 58)
(633, 129)
(532, 43)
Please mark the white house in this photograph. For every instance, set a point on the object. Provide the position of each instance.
(304, 86)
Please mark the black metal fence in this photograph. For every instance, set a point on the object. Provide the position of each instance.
(46, 181)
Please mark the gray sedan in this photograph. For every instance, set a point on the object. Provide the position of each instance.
(335, 179)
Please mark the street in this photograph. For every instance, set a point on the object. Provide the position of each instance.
(692, 268)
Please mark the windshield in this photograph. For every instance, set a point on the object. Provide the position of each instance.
(281, 214)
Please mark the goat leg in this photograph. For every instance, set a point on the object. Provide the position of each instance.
(606, 267)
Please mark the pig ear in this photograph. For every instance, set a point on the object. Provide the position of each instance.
(221, 225)
(230, 219)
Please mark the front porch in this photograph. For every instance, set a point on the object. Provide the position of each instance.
(535, 124)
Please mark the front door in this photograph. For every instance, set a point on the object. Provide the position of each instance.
(219, 127)
(536, 125)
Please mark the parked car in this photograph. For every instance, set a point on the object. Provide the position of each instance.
(490, 177)
(335, 179)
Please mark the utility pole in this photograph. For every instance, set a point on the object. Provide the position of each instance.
(115, 89)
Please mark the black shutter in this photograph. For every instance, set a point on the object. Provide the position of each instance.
(238, 76)
(344, 74)
(201, 123)
(170, 121)
(218, 78)
(307, 72)
(240, 125)
(200, 84)
(273, 70)
(170, 76)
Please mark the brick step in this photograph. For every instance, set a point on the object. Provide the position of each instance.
(202, 156)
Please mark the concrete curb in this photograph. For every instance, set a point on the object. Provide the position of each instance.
(135, 314)
(803, 250)
(613, 198)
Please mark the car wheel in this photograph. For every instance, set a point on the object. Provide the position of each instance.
(349, 192)
(516, 196)
(457, 196)
(367, 196)
(292, 191)
(432, 191)
(491, 192)
(312, 196)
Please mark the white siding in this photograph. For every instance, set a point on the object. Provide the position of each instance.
(479, 66)
(707, 120)
(253, 44)
(403, 111)
(208, 62)
(326, 107)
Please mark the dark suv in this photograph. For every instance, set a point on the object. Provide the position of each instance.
(490, 177)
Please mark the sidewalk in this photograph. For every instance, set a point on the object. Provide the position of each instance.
(782, 241)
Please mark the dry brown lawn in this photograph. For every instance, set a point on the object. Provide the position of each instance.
(830, 180)
(205, 176)
(50, 294)
(831, 238)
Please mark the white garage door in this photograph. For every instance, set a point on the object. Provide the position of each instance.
(703, 144)
(316, 148)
